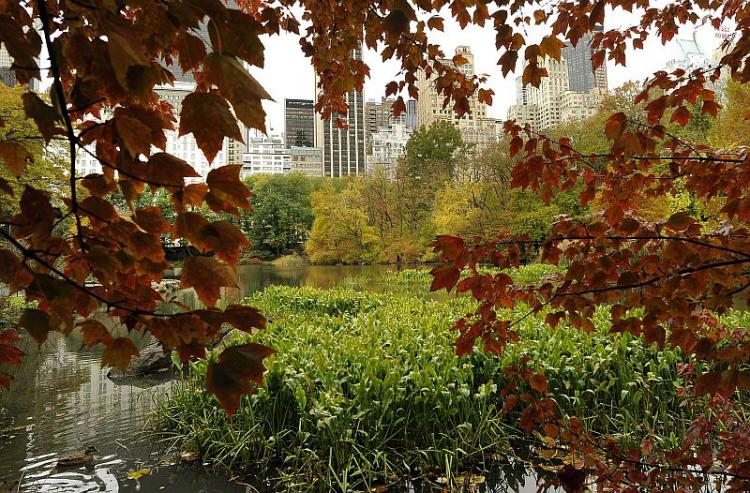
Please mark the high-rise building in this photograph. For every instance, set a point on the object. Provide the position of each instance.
(299, 122)
(547, 96)
(412, 122)
(581, 74)
(379, 115)
(343, 148)
(475, 126)
(388, 145)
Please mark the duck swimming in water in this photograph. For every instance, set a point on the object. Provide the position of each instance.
(78, 459)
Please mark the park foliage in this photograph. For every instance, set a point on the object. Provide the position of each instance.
(669, 280)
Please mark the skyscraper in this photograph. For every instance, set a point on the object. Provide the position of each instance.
(581, 74)
(475, 127)
(412, 122)
(343, 148)
(299, 122)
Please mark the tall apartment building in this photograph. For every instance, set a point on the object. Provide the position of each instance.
(475, 127)
(546, 97)
(343, 148)
(388, 145)
(379, 115)
(572, 90)
(299, 122)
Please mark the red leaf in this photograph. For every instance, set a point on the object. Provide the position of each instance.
(539, 383)
(207, 116)
(119, 352)
(207, 276)
(444, 277)
(238, 368)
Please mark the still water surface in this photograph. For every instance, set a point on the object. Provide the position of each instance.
(62, 401)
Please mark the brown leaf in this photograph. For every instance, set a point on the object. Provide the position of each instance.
(239, 87)
(119, 352)
(44, 115)
(14, 155)
(36, 323)
(151, 220)
(227, 193)
(238, 368)
(93, 332)
(207, 276)
(207, 116)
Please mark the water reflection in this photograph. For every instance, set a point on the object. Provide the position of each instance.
(62, 401)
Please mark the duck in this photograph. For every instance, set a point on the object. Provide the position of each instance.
(78, 458)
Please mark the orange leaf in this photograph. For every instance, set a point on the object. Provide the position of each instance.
(234, 374)
(119, 352)
(207, 276)
(151, 220)
(207, 116)
(94, 332)
(14, 155)
(239, 87)
(539, 383)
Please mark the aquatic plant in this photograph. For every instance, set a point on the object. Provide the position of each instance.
(365, 388)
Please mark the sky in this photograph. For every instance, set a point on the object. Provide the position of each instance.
(288, 74)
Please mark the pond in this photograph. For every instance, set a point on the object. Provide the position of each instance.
(62, 401)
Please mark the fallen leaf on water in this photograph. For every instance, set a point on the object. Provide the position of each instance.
(144, 471)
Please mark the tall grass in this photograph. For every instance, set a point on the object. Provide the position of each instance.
(365, 388)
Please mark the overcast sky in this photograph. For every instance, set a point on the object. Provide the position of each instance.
(288, 73)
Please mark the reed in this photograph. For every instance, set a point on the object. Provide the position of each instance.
(365, 388)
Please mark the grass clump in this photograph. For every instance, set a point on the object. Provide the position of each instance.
(365, 388)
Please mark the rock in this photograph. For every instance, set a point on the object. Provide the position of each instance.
(151, 361)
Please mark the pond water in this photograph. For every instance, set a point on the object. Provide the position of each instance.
(62, 401)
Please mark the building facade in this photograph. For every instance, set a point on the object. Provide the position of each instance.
(581, 74)
(412, 122)
(7, 75)
(307, 160)
(388, 146)
(266, 155)
(299, 122)
(343, 148)
(475, 126)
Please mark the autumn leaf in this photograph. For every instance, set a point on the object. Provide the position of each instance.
(538, 382)
(44, 115)
(207, 276)
(239, 87)
(14, 155)
(36, 323)
(444, 277)
(238, 371)
(118, 352)
(93, 332)
(679, 221)
(226, 192)
(207, 116)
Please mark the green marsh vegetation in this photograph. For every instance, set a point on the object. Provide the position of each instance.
(365, 388)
